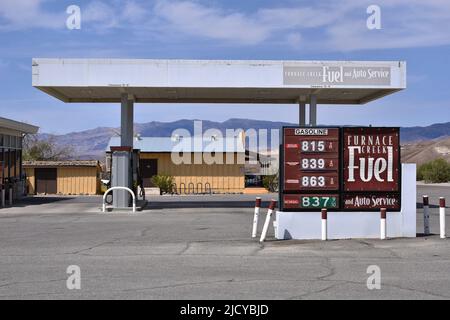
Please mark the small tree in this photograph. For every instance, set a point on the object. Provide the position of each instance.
(46, 149)
(271, 182)
(165, 183)
(435, 171)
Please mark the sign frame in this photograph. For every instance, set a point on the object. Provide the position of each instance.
(341, 191)
(323, 192)
(398, 192)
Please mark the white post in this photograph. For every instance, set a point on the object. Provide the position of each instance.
(383, 224)
(267, 222)
(324, 224)
(10, 196)
(426, 216)
(442, 216)
(256, 216)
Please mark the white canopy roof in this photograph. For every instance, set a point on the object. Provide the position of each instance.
(17, 126)
(218, 81)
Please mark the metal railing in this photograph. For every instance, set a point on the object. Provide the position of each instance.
(118, 188)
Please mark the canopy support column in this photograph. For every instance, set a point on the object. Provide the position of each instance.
(302, 113)
(313, 110)
(126, 121)
(121, 158)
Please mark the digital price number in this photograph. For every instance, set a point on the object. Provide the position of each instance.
(319, 146)
(318, 201)
(311, 201)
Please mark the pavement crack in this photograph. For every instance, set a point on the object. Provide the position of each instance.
(95, 246)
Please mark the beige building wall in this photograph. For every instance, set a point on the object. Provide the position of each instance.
(70, 180)
(78, 180)
(31, 184)
(221, 177)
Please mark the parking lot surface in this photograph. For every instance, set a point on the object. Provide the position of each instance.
(199, 247)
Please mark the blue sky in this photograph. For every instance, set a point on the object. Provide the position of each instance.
(414, 31)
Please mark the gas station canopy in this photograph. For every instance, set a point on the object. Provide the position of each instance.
(218, 81)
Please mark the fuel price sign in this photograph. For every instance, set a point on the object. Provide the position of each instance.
(310, 168)
(345, 168)
(311, 159)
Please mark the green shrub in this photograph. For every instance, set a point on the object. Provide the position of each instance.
(165, 183)
(271, 182)
(435, 171)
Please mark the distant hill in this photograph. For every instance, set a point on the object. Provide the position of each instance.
(434, 131)
(424, 151)
(91, 144)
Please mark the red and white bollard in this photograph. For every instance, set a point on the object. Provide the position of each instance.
(383, 224)
(267, 222)
(442, 216)
(324, 224)
(426, 216)
(256, 216)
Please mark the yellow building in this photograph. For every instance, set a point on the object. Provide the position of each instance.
(206, 166)
(63, 177)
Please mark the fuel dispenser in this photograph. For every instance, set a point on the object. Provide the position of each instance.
(125, 173)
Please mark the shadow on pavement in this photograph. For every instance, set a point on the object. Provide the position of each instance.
(203, 204)
(30, 201)
(419, 205)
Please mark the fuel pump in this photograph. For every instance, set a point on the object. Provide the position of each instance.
(125, 173)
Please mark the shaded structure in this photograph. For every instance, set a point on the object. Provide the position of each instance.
(12, 179)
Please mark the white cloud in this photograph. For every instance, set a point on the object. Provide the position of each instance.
(24, 14)
(324, 26)
(294, 40)
(197, 20)
(100, 14)
(405, 24)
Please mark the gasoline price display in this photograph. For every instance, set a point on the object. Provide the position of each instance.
(311, 159)
(310, 168)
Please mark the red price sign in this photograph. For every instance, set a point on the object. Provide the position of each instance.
(311, 159)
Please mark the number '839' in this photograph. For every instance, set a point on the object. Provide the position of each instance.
(313, 163)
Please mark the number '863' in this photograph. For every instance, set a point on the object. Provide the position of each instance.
(313, 181)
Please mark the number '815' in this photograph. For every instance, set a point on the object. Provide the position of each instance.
(313, 146)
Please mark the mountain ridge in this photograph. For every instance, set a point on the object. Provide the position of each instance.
(91, 143)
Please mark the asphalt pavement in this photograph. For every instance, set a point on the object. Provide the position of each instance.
(199, 247)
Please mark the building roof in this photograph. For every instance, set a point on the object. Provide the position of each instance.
(168, 144)
(17, 126)
(65, 163)
(218, 81)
